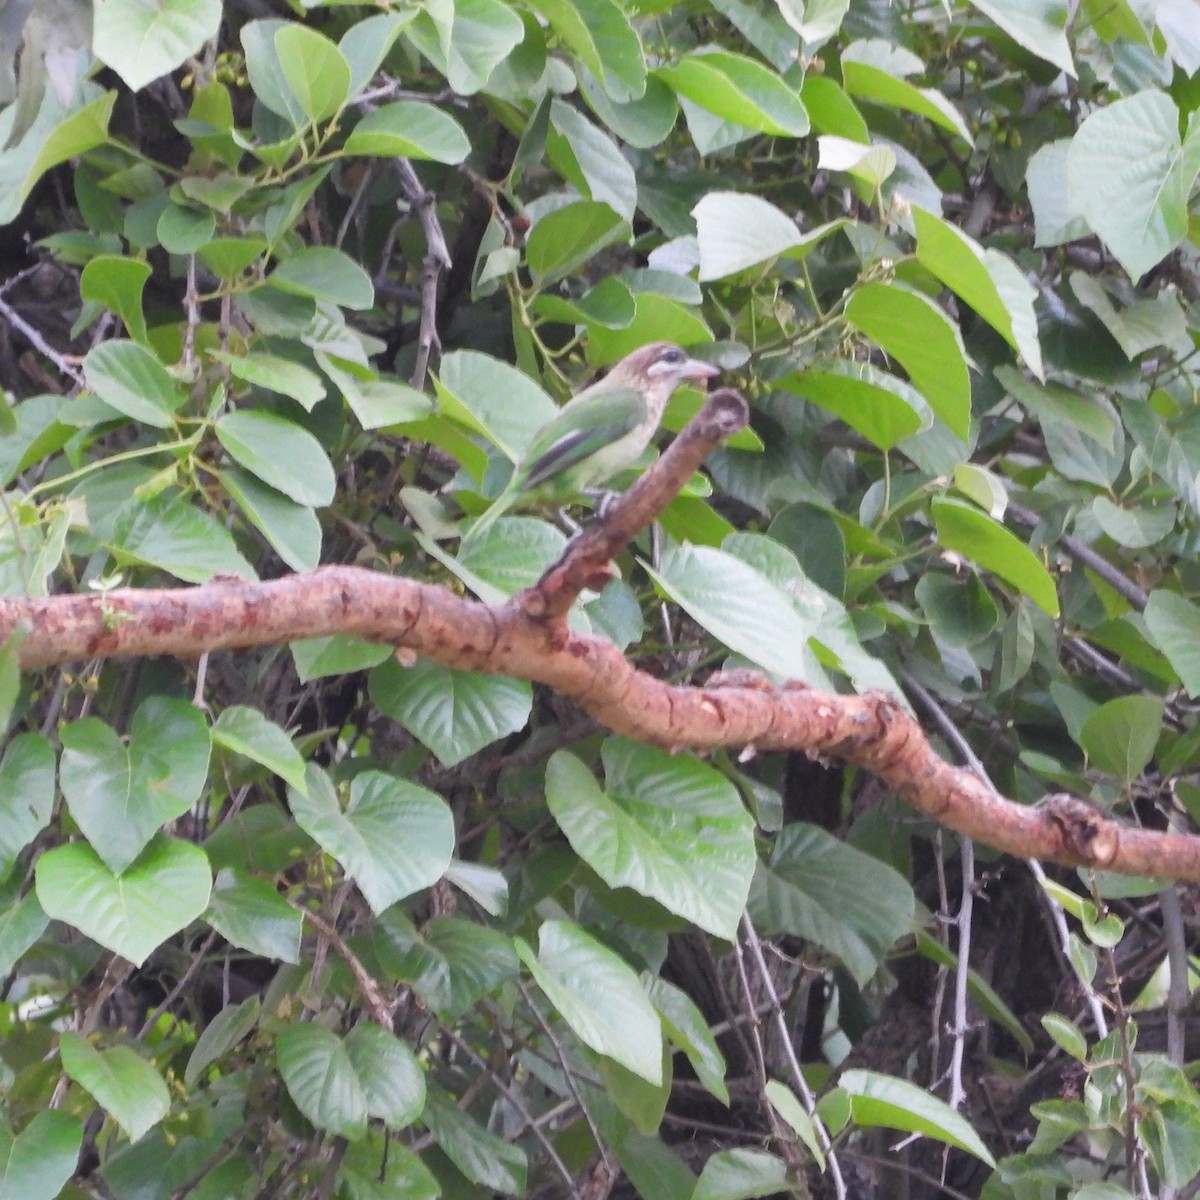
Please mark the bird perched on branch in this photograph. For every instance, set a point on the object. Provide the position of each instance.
(601, 431)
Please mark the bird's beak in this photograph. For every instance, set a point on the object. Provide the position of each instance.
(696, 368)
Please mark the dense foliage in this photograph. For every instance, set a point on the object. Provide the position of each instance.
(288, 285)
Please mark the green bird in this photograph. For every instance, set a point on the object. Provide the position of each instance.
(602, 431)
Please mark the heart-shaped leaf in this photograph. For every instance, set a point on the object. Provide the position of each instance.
(132, 913)
(120, 793)
(393, 839)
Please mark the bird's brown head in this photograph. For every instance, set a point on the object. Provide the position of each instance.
(659, 367)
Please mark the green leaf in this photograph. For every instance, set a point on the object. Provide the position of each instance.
(1138, 327)
(320, 1077)
(1120, 736)
(914, 331)
(277, 375)
(685, 1027)
(265, 72)
(656, 318)
(482, 1157)
(182, 229)
(10, 668)
(736, 230)
(567, 237)
(455, 713)
(1037, 25)
(672, 829)
(975, 275)
(228, 257)
(222, 1033)
(603, 39)
(821, 889)
(375, 402)
(589, 158)
(884, 409)
(740, 90)
(120, 793)
(169, 533)
(469, 42)
(871, 166)
(127, 377)
(642, 123)
(366, 43)
(1083, 433)
(1054, 220)
(292, 529)
(738, 607)
(741, 1175)
(117, 283)
(961, 611)
(832, 111)
(783, 1101)
(38, 1162)
(452, 963)
(598, 995)
(1066, 1035)
(815, 21)
(868, 81)
(22, 922)
(881, 1100)
(314, 68)
(26, 795)
(131, 914)
(144, 41)
(217, 192)
(251, 914)
(325, 274)
(1130, 176)
(391, 1078)
(1172, 1135)
(393, 839)
(1174, 627)
(412, 129)
(125, 1085)
(247, 732)
(79, 133)
(1112, 19)
(493, 398)
(280, 453)
(317, 658)
(979, 539)
(1133, 528)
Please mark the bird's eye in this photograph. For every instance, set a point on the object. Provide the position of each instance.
(672, 356)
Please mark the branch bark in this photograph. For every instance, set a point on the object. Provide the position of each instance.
(529, 638)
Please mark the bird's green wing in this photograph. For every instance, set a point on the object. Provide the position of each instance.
(585, 426)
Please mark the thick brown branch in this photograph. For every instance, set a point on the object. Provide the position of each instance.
(585, 562)
(872, 731)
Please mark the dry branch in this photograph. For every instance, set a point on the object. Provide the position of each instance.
(528, 638)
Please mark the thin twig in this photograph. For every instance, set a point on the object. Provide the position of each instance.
(1084, 554)
(191, 308)
(381, 1010)
(951, 733)
(515, 1100)
(750, 934)
(174, 994)
(968, 756)
(355, 205)
(39, 343)
(561, 1054)
(1177, 963)
(437, 260)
